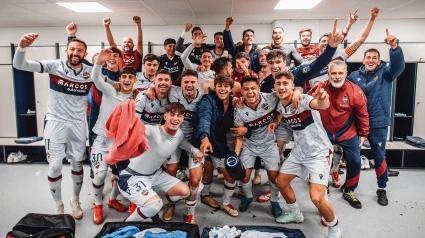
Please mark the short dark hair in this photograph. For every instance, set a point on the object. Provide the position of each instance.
(77, 40)
(307, 29)
(174, 107)
(324, 35)
(218, 33)
(115, 50)
(249, 78)
(372, 50)
(247, 30)
(189, 72)
(128, 70)
(223, 79)
(150, 57)
(286, 74)
(220, 64)
(206, 51)
(163, 71)
(169, 41)
(196, 28)
(276, 54)
(279, 27)
(241, 55)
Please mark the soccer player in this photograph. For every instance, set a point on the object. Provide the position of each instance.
(289, 50)
(130, 57)
(196, 53)
(307, 50)
(248, 45)
(265, 70)
(100, 149)
(146, 79)
(205, 73)
(152, 112)
(219, 50)
(143, 177)
(346, 122)
(171, 62)
(376, 78)
(65, 127)
(257, 112)
(242, 67)
(310, 158)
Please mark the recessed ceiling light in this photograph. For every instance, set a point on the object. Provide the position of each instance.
(296, 4)
(84, 6)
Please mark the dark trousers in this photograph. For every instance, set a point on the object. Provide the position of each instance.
(351, 150)
(378, 139)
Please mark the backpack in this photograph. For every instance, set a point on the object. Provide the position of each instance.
(415, 141)
(44, 226)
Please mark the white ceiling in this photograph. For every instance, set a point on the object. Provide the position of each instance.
(28, 13)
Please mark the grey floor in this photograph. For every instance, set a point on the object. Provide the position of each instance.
(24, 189)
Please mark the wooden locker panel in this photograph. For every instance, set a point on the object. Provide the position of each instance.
(7, 107)
(419, 125)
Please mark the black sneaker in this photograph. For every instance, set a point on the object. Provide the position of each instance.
(351, 198)
(382, 197)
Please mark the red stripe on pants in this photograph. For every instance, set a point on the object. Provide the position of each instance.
(381, 170)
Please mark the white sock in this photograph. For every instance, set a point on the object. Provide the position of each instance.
(228, 189)
(275, 192)
(247, 188)
(294, 208)
(77, 177)
(206, 189)
(333, 225)
(115, 191)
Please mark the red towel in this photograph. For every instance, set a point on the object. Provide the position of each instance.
(129, 133)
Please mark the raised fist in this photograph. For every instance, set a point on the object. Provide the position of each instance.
(106, 21)
(188, 27)
(137, 20)
(229, 21)
(374, 13)
(27, 39)
(72, 29)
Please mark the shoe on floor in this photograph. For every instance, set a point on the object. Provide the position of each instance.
(239, 193)
(276, 210)
(265, 197)
(351, 198)
(190, 219)
(131, 208)
(393, 173)
(243, 207)
(365, 162)
(220, 176)
(20, 157)
(116, 205)
(168, 212)
(323, 222)
(97, 214)
(382, 197)
(335, 180)
(342, 164)
(290, 217)
(60, 210)
(207, 199)
(257, 178)
(229, 209)
(336, 234)
(11, 158)
(77, 212)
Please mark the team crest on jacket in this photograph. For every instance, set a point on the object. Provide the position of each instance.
(86, 75)
(345, 99)
(376, 78)
(264, 106)
(145, 192)
(311, 50)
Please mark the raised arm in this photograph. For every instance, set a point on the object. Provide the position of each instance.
(365, 32)
(104, 87)
(185, 56)
(229, 45)
(352, 18)
(179, 44)
(109, 36)
(72, 29)
(397, 65)
(19, 60)
(139, 46)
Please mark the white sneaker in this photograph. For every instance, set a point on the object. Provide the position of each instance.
(337, 234)
(77, 212)
(60, 209)
(365, 162)
(20, 157)
(362, 162)
(11, 158)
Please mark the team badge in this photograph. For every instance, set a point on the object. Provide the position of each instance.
(345, 99)
(265, 106)
(376, 78)
(152, 105)
(86, 75)
(175, 63)
(312, 50)
(145, 192)
(293, 111)
(321, 176)
(246, 113)
(306, 69)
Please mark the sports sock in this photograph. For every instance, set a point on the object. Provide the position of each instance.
(191, 200)
(77, 178)
(294, 208)
(275, 192)
(206, 189)
(333, 225)
(247, 188)
(54, 176)
(98, 185)
(228, 189)
(115, 191)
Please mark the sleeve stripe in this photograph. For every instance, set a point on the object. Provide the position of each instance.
(42, 68)
(349, 51)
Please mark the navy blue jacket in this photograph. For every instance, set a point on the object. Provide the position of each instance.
(254, 54)
(377, 86)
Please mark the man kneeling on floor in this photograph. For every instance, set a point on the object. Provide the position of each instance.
(143, 177)
(310, 158)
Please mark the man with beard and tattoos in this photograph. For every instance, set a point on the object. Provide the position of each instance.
(146, 79)
(196, 53)
(171, 62)
(130, 57)
(291, 53)
(65, 126)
